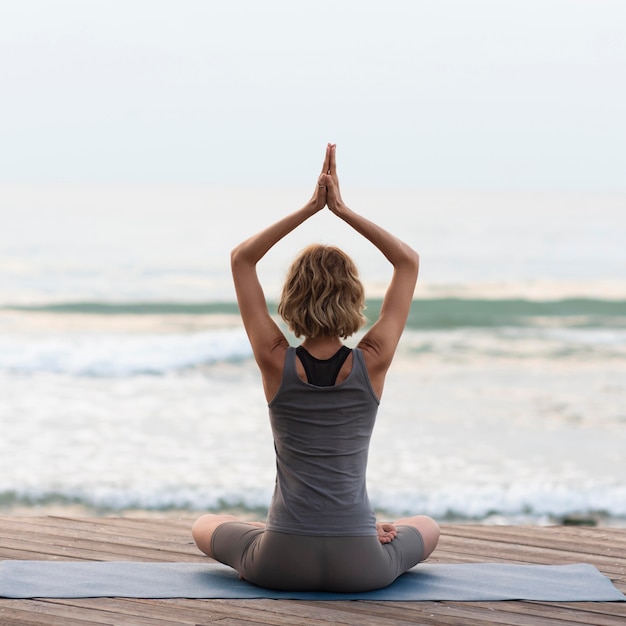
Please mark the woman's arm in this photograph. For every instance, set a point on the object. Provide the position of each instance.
(380, 341)
(267, 340)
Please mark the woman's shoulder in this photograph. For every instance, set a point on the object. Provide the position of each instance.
(272, 368)
(375, 365)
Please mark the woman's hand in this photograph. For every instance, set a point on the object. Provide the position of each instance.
(333, 194)
(386, 532)
(319, 198)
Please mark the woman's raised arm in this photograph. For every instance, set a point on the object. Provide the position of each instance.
(267, 340)
(380, 341)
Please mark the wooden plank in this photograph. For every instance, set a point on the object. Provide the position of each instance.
(314, 613)
(496, 550)
(88, 541)
(38, 612)
(166, 534)
(579, 613)
(158, 609)
(121, 610)
(580, 540)
(439, 613)
(99, 547)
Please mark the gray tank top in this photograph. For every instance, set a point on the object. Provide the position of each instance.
(321, 438)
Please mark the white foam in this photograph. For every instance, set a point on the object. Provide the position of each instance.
(532, 502)
(532, 499)
(85, 354)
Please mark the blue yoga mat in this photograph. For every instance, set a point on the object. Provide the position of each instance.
(463, 582)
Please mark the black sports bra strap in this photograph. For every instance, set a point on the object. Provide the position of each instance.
(322, 372)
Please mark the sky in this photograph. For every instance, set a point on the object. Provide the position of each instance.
(488, 94)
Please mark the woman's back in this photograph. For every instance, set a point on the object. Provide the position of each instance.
(321, 438)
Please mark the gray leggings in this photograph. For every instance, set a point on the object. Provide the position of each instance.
(300, 562)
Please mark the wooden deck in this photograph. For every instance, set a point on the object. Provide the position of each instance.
(111, 539)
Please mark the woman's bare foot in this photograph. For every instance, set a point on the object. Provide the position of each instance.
(386, 532)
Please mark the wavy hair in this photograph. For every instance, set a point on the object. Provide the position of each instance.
(322, 294)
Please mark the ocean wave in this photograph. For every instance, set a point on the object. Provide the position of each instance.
(551, 344)
(115, 354)
(531, 499)
(450, 313)
(127, 339)
(129, 308)
(118, 355)
(426, 313)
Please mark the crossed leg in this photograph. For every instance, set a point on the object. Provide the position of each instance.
(205, 526)
(427, 527)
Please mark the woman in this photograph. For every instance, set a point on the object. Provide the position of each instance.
(321, 533)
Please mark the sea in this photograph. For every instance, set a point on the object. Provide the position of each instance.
(127, 382)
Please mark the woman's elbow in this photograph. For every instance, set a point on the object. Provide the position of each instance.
(412, 258)
(236, 256)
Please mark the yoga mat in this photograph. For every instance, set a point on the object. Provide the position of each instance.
(463, 582)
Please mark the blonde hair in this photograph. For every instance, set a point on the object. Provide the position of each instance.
(322, 294)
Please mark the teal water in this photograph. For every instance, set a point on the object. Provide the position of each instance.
(425, 312)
